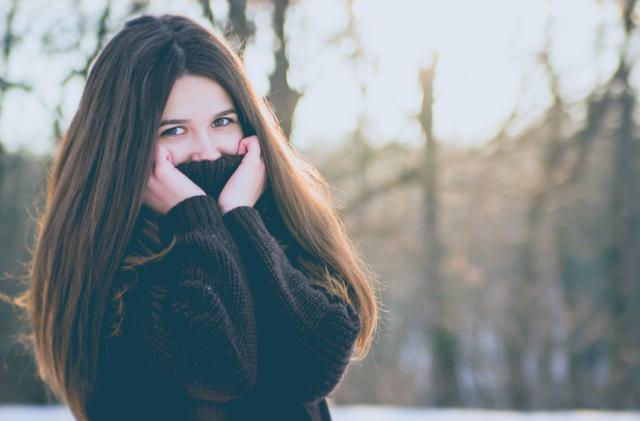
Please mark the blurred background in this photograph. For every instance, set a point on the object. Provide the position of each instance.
(486, 155)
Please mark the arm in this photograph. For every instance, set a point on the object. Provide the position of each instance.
(307, 332)
(198, 331)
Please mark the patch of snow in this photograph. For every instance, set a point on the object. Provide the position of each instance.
(370, 413)
(387, 413)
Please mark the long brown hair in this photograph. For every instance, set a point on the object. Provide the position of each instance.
(92, 228)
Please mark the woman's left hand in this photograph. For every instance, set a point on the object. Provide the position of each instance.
(249, 180)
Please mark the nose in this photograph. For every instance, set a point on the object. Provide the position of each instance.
(204, 148)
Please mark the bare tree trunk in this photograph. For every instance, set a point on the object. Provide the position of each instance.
(539, 274)
(622, 255)
(538, 299)
(238, 29)
(9, 41)
(282, 96)
(437, 297)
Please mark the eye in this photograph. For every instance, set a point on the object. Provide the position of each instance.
(222, 118)
(169, 133)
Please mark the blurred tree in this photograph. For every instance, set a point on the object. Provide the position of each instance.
(9, 41)
(519, 288)
(623, 247)
(437, 294)
(282, 96)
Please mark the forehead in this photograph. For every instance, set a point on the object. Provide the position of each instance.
(196, 95)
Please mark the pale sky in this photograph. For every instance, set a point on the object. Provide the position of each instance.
(487, 50)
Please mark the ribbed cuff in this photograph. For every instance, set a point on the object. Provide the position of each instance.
(192, 212)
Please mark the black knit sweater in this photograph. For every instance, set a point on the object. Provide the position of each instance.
(226, 326)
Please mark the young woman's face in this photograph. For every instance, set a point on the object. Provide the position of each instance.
(199, 121)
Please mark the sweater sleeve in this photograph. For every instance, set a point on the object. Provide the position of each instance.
(320, 327)
(198, 329)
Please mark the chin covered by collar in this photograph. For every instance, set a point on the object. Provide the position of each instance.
(211, 175)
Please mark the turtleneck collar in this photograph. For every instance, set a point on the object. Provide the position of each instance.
(211, 175)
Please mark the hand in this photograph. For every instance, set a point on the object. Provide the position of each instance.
(249, 180)
(167, 186)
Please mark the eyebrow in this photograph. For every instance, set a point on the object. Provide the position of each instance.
(180, 121)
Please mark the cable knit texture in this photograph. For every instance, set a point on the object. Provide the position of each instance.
(226, 326)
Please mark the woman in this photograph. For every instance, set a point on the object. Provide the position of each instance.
(189, 263)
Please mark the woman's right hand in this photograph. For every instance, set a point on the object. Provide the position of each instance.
(167, 186)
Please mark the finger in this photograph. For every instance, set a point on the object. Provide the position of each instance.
(253, 140)
(157, 158)
(164, 156)
(249, 139)
(253, 147)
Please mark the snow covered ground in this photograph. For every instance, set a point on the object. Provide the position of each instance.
(372, 413)
(377, 413)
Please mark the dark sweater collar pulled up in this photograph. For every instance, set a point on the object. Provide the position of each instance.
(212, 175)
